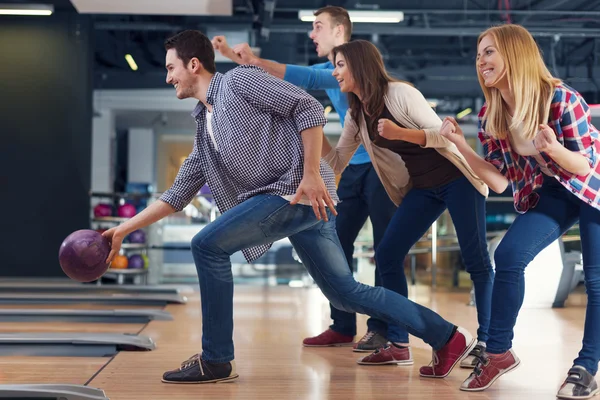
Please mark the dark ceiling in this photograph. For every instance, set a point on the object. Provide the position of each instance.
(434, 47)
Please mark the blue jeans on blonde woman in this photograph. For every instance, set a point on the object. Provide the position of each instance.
(530, 233)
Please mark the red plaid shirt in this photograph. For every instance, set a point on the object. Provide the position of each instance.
(571, 121)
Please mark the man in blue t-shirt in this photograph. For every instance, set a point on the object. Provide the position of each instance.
(360, 191)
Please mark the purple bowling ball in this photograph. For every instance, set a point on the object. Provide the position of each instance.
(82, 255)
(136, 262)
(137, 236)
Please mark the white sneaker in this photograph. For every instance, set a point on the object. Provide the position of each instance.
(580, 384)
(471, 360)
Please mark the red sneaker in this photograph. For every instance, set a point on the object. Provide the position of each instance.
(329, 338)
(390, 354)
(489, 369)
(444, 360)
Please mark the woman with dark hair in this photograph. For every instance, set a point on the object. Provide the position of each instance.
(422, 172)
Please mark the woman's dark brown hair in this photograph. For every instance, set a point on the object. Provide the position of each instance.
(365, 63)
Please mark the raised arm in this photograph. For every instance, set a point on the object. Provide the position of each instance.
(315, 77)
(242, 54)
(310, 78)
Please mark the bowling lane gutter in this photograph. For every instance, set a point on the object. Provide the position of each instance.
(100, 370)
(111, 359)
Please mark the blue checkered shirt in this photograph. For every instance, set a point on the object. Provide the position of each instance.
(256, 121)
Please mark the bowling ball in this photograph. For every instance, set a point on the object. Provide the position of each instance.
(102, 210)
(137, 236)
(119, 262)
(82, 255)
(126, 210)
(136, 261)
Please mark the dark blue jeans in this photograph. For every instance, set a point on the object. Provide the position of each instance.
(362, 196)
(267, 218)
(530, 233)
(419, 209)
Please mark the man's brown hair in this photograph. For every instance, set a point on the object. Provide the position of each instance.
(339, 16)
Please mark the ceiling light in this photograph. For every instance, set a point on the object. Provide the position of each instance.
(377, 17)
(131, 62)
(26, 9)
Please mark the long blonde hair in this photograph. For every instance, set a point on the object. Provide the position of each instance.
(530, 82)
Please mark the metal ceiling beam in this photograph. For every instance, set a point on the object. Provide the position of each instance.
(472, 12)
(358, 29)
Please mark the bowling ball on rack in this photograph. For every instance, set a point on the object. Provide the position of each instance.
(119, 262)
(126, 210)
(103, 210)
(137, 236)
(136, 262)
(82, 255)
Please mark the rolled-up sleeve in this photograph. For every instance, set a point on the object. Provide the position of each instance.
(188, 182)
(575, 123)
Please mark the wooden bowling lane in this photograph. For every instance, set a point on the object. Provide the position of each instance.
(270, 324)
(51, 370)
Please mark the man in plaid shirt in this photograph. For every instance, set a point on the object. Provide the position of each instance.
(258, 146)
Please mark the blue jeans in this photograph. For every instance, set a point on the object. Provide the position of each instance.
(419, 209)
(530, 233)
(361, 196)
(267, 218)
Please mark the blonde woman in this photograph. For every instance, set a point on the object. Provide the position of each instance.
(537, 136)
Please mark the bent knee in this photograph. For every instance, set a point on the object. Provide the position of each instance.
(509, 258)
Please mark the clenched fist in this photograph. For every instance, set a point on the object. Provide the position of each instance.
(545, 140)
(245, 53)
(452, 131)
(389, 130)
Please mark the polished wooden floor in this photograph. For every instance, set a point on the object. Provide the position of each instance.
(270, 323)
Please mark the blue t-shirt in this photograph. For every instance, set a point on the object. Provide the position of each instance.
(319, 76)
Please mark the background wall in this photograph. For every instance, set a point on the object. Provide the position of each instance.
(45, 128)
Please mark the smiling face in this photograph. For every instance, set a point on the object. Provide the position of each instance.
(325, 34)
(490, 64)
(182, 77)
(343, 74)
